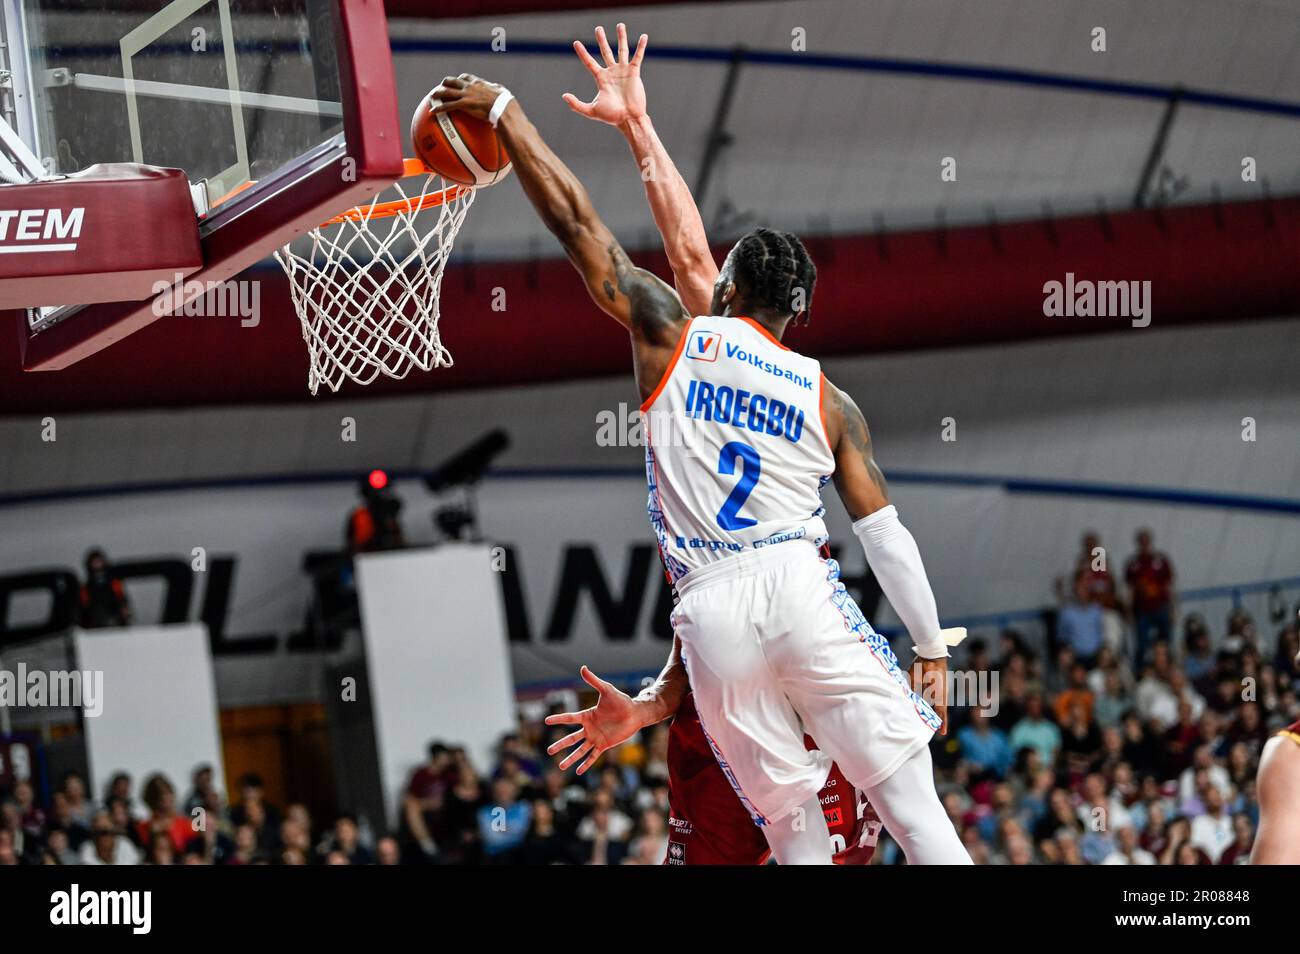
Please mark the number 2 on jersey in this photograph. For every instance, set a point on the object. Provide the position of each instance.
(729, 516)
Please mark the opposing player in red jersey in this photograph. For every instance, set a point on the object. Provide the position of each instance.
(707, 824)
(1278, 839)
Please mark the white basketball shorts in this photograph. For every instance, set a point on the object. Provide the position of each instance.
(776, 647)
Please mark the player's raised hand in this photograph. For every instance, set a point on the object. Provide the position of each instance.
(612, 720)
(620, 97)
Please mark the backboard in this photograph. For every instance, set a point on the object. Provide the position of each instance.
(258, 102)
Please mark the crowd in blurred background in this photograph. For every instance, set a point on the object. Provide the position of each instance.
(1126, 740)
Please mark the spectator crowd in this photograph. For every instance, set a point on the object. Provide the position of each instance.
(1125, 740)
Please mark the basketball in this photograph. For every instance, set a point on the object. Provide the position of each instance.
(460, 148)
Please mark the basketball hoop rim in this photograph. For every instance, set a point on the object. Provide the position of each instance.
(382, 210)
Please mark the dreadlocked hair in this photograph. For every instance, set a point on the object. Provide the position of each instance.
(773, 271)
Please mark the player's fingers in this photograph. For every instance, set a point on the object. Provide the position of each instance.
(591, 679)
(564, 718)
(591, 760)
(621, 29)
(639, 55)
(573, 738)
(576, 755)
(578, 106)
(588, 60)
(443, 99)
(603, 42)
(453, 82)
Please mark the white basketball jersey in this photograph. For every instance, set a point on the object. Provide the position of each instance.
(736, 448)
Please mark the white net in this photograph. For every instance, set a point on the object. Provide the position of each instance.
(366, 286)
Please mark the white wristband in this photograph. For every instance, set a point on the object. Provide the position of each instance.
(951, 637)
(502, 101)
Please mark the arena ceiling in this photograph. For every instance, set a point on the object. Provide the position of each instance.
(841, 140)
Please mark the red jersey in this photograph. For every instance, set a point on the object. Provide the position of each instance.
(708, 825)
(1151, 578)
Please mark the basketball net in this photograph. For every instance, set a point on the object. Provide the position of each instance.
(366, 290)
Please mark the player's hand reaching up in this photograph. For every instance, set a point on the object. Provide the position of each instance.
(612, 720)
(620, 97)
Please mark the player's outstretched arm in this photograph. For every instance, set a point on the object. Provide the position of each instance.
(891, 550)
(620, 101)
(616, 716)
(633, 296)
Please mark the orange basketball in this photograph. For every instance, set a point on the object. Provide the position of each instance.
(457, 146)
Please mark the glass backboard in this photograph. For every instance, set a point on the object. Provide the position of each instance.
(227, 90)
(259, 102)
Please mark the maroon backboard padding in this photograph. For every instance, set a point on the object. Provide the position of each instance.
(261, 221)
(961, 286)
(108, 233)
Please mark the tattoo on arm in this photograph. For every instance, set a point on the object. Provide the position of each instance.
(855, 429)
(653, 307)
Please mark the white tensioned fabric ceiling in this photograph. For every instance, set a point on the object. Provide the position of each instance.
(848, 135)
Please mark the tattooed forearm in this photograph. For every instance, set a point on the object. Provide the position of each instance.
(653, 307)
(855, 429)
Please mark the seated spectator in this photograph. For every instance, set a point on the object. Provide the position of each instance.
(503, 823)
(1249, 729)
(1075, 693)
(211, 844)
(80, 808)
(160, 797)
(1212, 832)
(61, 817)
(102, 600)
(984, 747)
(161, 850)
(57, 850)
(108, 845)
(388, 851)
(1127, 850)
(346, 840)
(1243, 831)
(203, 790)
(9, 853)
(545, 844)
(30, 817)
(1181, 740)
(1214, 773)
(605, 832)
(253, 809)
(1199, 660)
(1112, 701)
(1037, 731)
(246, 851)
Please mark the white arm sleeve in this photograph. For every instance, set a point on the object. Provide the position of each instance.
(895, 560)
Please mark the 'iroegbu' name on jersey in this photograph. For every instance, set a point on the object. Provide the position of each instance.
(749, 454)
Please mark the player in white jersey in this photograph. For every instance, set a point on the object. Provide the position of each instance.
(772, 641)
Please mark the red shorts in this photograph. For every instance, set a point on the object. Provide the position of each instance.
(707, 824)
